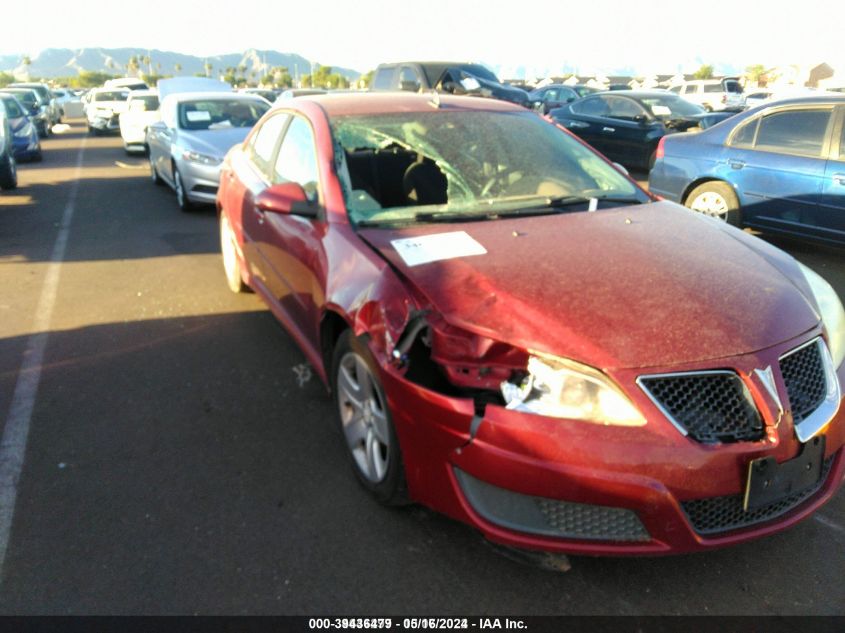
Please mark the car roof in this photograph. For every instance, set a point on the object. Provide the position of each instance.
(362, 103)
(181, 97)
(134, 94)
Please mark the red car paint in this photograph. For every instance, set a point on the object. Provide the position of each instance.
(651, 286)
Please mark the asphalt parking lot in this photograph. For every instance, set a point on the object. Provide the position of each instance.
(182, 458)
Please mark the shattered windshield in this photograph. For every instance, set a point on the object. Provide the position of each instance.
(395, 166)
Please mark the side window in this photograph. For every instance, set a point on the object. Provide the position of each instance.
(594, 106)
(799, 132)
(713, 88)
(408, 80)
(550, 95)
(626, 109)
(567, 94)
(265, 140)
(676, 89)
(297, 160)
(12, 109)
(745, 134)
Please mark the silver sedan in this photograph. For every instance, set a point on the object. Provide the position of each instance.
(195, 132)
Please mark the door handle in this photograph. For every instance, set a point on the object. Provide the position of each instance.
(608, 129)
(736, 164)
(839, 179)
(577, 124)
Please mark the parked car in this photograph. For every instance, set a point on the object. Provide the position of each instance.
(779, 167)
(105, 105)
(187, 146)
(714, 95)
(70, 105)
(34, 106)
(292, 93)
(24, 132)
(266, 93)
(518, 336)
(141, 111)
(453, 77)
(552, 96)
(626, 127)
(45, 97)
(126, 83)
(8, 166)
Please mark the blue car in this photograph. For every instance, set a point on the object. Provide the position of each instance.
(779, 167)
(24, 132)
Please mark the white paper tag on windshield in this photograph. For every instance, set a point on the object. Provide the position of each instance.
(198, 115)
(431, 248)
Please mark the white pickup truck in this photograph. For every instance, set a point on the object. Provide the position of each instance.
(141, 111)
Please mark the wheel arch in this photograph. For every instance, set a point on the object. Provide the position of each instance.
(700, 181)
(332, 325)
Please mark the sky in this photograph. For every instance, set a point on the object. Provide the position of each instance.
(588, 35)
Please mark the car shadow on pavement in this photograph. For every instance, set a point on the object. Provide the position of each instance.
(192, 465)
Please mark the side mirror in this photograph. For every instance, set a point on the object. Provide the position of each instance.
(453, 88)
(621, 168)
(286, 198)
(641, 119)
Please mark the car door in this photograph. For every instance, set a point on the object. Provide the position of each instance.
(625, 131)
(828, 220)
(254, 168)
(779, 177)
(293, 245)
(586, 118)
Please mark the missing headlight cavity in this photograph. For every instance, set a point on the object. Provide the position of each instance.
(413, 354)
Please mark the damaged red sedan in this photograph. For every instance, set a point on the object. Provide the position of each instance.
(518, 336)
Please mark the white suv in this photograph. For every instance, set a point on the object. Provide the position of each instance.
(713, 94)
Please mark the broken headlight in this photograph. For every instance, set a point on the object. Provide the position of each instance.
(562, 388)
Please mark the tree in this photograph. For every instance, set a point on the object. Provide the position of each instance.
(755, 73)
(178, 68)
(148, 62)
(132, 66)
(366, 79)
(208, 67)
(6, 79)
(91, 79)
(705, 72)
(26, 62)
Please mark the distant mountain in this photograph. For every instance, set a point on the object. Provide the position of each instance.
(63, 62)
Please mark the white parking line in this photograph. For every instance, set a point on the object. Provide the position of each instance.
(16, 432)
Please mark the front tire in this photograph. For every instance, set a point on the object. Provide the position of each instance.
(716, 199)
(181, 195)
(8, 173)
(365, 422)
(231, 263)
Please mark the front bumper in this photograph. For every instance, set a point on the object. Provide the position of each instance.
(540, 483)
(200, 181)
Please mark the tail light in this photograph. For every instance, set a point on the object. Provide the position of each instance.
(661, 151)
(724, 98)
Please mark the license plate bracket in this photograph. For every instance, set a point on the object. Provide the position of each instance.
(769, 482)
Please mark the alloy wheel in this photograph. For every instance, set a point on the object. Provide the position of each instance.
(712, 204)
(364, 418)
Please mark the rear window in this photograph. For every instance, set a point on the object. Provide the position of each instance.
(794, 132)
(117, 95)
(732, 85)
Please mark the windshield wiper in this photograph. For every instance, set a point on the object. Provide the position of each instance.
(457, 216)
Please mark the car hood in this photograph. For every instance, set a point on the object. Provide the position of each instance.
(213, 142)
(647, 286)
(114, 106)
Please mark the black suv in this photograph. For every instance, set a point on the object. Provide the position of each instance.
(452, 77)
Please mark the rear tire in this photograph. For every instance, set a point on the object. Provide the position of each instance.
(231, 263)
(716, 199)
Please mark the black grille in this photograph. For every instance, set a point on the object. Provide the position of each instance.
(720, 514)
(806, 386)
(711, 407)
(580, 520)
